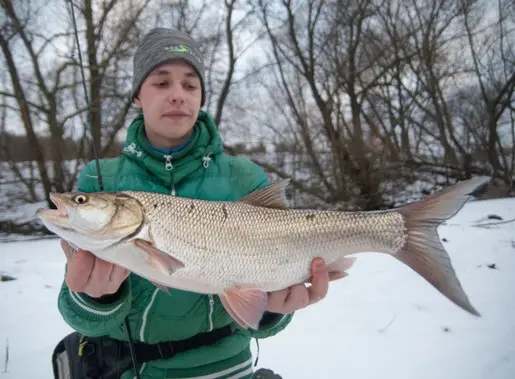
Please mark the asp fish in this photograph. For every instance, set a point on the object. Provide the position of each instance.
(241, 250)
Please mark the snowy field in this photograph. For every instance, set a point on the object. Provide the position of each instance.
(383, 321)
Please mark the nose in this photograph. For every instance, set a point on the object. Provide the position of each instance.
(175, 94)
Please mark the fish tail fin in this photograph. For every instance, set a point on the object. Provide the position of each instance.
(423, 251)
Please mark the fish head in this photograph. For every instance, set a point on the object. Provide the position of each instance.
(93, 220)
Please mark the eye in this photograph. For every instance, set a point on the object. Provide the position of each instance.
(190, 86)
(80, 199)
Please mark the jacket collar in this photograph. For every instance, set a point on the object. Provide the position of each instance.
(205, 144)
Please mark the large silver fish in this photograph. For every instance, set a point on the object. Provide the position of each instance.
(240, 250)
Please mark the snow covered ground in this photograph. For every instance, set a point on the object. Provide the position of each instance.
(383, 321)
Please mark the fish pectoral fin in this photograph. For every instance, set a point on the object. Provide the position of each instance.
(246, 306)
(271, 196)
(161, 287)
(157, 258)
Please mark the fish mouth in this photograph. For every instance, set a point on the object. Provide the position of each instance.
(59, 215)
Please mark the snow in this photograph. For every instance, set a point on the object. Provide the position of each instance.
(381, 321)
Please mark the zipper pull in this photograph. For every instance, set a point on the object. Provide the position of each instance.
(168, 164)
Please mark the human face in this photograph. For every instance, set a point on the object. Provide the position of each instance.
(170, 98)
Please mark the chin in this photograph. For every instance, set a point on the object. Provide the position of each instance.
(179, 133)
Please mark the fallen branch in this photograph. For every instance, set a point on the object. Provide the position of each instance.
(387, 326)
(489, 224)
(6, 355)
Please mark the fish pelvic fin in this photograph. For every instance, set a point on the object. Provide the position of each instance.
(423, 251)
(245, 305)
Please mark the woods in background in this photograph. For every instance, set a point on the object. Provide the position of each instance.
(359, 102)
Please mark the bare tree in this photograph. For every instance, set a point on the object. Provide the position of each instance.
(493, 65)
(326, 55)
(56, 103)
(375, 95)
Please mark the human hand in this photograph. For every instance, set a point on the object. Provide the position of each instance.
(299, 296)
(91, 275)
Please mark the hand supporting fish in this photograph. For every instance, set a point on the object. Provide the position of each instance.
(91, 275)
(96, 278)
(299, 296)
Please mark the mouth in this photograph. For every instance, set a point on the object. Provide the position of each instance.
(59, 215)
(175, 115)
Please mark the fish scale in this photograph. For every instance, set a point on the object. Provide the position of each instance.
(241, 243)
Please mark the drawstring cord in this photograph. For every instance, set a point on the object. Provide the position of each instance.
(257, 355)
(132, 149)
(206, 159)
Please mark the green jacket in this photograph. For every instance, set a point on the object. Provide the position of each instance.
(200, 170)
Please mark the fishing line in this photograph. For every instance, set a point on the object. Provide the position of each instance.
(99, 176)
(90, 116)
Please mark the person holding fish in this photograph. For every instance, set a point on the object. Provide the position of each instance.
(172, 147)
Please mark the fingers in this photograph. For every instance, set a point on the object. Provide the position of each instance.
(118, 275)
(68, 249)
(91, 275)
(276, 300)
(80, 266)
(298, 298)
(320, 281)
(99, 280)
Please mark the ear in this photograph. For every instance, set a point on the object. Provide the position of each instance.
(137, 102)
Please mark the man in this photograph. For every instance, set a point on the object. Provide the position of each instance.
(172, 146)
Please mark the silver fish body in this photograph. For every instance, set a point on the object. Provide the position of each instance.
(244, 249)
(238, 244)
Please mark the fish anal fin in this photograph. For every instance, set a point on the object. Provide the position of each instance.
(271, 196)
(246, 306)
(338, 269)
(157, 258)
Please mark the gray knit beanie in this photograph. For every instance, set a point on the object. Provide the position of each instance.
(161, 45)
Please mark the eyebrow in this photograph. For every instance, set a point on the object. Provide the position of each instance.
(163, 72)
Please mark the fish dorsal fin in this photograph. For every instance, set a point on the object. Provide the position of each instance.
(271, 196)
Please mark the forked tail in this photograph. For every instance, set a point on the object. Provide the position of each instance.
(423, 251)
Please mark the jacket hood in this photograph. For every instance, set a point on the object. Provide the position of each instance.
(204, 145)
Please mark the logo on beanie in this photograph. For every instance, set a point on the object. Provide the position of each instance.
(177, 49)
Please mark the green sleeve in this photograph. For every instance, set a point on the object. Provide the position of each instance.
(89, 316)
(270, 325)
(92, 317)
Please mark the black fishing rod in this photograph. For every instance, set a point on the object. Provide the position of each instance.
(99, 174)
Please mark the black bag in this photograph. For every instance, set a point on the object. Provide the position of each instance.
(79, 357)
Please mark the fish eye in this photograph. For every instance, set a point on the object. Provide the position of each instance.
(80, 199)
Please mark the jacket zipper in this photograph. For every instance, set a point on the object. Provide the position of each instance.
(168, 163)
(211, 307)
